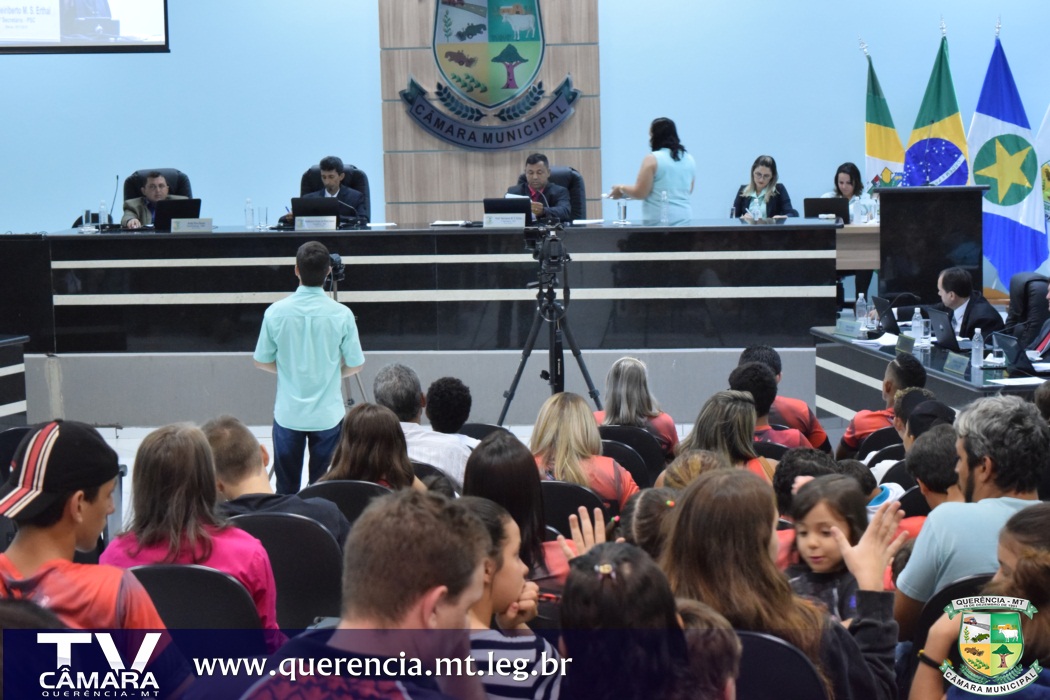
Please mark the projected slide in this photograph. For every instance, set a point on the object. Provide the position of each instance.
(83, 25)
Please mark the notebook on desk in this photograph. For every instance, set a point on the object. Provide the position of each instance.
(943, 333)
(168, 209)
(1017, 359)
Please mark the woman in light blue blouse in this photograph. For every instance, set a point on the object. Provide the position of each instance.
(666, 178)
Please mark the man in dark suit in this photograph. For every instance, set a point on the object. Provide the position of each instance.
(139, 212)
(1041, 344)
(967, 308)
(332, 174)
(548, 200)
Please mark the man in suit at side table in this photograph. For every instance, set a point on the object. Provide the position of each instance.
(1041, 344)
(332, 175)
(968, 308)
(139, 212)
(548, 199)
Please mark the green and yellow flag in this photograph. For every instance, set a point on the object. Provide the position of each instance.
(883, 153)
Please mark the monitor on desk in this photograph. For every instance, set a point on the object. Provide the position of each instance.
(813, 207)
(168, 209)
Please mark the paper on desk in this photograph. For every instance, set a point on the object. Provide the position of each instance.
(381, 224)
(1017, 381)
(584, 222)
(510, 195)
(884, 340)
(448, 223)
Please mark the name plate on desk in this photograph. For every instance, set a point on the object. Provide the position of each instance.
(503, 221)
(956, 363)
(851, 328)
(905, 344)
(191, 226)
(316, 223)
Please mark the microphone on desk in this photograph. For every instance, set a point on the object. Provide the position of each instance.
(105, 225)
(358, 221)
(548, 215)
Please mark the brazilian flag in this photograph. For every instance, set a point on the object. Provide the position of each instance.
(936, 153)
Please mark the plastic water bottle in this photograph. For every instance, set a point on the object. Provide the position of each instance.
(860, 310)
(916, 325)
(977, 351)
(665, 217)
(249, 215)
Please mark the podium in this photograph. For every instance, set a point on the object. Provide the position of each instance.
(925, 230)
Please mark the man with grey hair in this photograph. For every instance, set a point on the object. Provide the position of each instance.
(1003, 447)
(398, 388)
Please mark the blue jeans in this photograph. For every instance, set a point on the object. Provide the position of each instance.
(288, 446)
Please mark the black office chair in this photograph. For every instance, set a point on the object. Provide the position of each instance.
(895, 452)
(562, 499)
(550, 534)
(773, 668)
(883, 437)
(195, 597)
(770, 450)
(644, 443)
(629, 459)
(431, 476)
(307, 565)
(351, 496)
(178, 182)
(570, 179)
(898, 474)
(913, 503)
(355, 179)
(1028, 309)
(479, 431)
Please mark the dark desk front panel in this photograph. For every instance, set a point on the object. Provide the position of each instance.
(715, 284)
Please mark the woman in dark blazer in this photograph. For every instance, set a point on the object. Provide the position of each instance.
(763, 197)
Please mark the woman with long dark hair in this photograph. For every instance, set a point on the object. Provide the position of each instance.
(666, 178)
(372, 448)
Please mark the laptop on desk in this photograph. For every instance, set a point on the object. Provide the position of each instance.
(318, 206)
(1017, 359)
(885, 311)
(813, 207)
(509, 205)
(168, 209)
(943, 333)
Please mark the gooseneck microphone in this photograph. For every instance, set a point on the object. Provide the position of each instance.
(113, 201)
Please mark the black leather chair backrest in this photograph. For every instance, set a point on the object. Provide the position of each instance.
(644, 443)
(770, 450)
(307, 565)
(629, 459)
(570, 179)
(178, 182)
(772, 668)
(191, 597)
(351, 496)
(1028, 309)
(562, 499)
(433, 477)
(895, 452)
(898, 474)
(355, 179)
(479, 431)
(913, 503)
(883, 437)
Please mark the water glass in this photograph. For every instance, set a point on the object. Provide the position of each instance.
(621, 213)
(85, 223)
(261, 218)
(997, 352)
(927, 331)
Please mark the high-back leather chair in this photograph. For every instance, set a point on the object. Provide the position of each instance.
(1028, 310)
(570, 179)
(178, 182)
(355, 179)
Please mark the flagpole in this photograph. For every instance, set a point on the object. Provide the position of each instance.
(863, 46)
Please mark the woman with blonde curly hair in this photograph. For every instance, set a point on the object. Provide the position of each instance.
(567, 447)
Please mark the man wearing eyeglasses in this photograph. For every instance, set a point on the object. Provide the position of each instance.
(139, 212)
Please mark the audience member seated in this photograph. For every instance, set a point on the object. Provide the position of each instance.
(620, 628)
(643, 521)
(1041, 344)
(59, 494)
(332, 175)
(687, 466)
(904, 402)
(967, 308)
(512, 602)
(174, 520)
(139, 212)
(372, 448)
(922, 418)
(448, 408)
(548, 199)
(804, 462)
(628, 401)
(758, 379)
(792, 413)
(1003, 447)
(503, 470)
(875, 494)
(714, 650)
(902, 372)
(420, 604)
(240, 475)
(567, 447)
(833, 500)
(1041, 398)
(726, 426)
(931, 462)
(1024, 572)
(397, 387)
(763, 197)
(720, 551)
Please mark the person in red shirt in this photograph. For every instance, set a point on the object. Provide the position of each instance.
(758, 379)
(902, 372)
(786, 411)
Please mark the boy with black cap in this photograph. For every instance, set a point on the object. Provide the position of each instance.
(59, 494)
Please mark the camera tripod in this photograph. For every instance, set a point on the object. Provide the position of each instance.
(554, 312)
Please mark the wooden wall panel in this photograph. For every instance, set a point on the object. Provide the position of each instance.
(427, 179)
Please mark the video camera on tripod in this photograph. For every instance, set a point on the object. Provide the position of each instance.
(548, 249)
